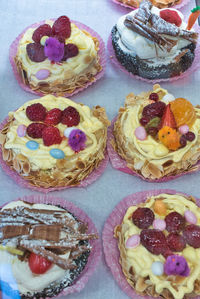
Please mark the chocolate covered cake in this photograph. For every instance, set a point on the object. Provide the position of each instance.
(154, 43)
(45, 246)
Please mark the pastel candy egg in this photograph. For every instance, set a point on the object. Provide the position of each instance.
(57, 153)
(183, 129)
(133, 241)
(159, 224)
(68, 131)
(42, 74)
(21, 130)
(140, 133)
(160, 207)
(43, 40)
(32, 145)
(168, 98)
(190, 217)
(157, 268)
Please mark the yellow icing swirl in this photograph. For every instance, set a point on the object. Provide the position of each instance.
(40, 158)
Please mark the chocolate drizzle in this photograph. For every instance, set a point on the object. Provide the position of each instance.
(155, 29)
(45, 232)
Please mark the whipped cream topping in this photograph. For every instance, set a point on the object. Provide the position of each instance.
(72, 67)
(135, 44)
(40, 158)
(141, 259)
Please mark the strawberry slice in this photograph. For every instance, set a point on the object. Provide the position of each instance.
(38, 264)
(168, 118)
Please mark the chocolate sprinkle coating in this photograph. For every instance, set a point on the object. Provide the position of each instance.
(144, 69)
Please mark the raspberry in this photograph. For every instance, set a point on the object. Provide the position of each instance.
(176, 242)
(190, 136)
(175, 222)
(183, 141)
(154, 241)
(62, 27)
(143, 217)
(70, 117)
(144, 121)
(154, 97)
(51, 135)
(40, 32)
(191, 235)
(70, 50)
(171, 16)
(36, 112)
(154, 109)
(35, 52)
(53, 117)
(34, 130)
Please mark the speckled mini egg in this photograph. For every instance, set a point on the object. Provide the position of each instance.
(157, 268)
(42, 74)
(133, 241)
(160, 207)
(57, 153)
(21, 130)
(32, 145)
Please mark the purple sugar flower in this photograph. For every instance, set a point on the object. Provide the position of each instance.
(53, 49)
(176, 265)
(77, 140)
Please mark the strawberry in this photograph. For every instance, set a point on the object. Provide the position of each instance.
(53, 117)
(171, 16)
(38, 264)
(168, 118)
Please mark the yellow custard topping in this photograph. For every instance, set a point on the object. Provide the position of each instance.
(141, 259)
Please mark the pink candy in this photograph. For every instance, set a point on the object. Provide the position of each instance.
(159, 224)
(133, 241)
(190, 217)
(140, 133)
(183, 129)
(21, 130)
(42, 74)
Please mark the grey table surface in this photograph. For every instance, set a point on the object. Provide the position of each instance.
(98, 199)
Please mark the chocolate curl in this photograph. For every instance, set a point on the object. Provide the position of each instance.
(81, 237)
(48, 244)
(46, 232)
(77, 252)
(9, 232)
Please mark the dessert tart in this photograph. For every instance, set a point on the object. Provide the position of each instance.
(57, 57)
(153, 43)
(157, 3)
(159, 246)
(157, 135)
(44, 247)
(54, 142)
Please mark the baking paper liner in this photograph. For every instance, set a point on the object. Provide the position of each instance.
(110, 247)
(186, 74)
(101, 54)
(177, 6)
(92, 177)
(95, 253)
(120, 164)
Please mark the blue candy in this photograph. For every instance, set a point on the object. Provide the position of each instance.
(32, 145)
(57, 153)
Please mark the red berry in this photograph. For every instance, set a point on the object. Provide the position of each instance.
(53, 117)
(154, 241)
(183, 141)
(34, 130)
(176, 242)
(38, 264)
(190, 136)
(154, 109)
(143, 217)
(70, 50)
(175, 222)
(191, 235)
(70, 117)
(144, 120)
(35, 52)
(51, 135)
(36, 112)
(41, 31)
(171, 16)
(153, 131)
(154, 97)
(62, 27)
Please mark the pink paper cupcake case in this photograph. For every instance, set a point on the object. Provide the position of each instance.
(95, 254)
(120, 164)
(177, 6)
(111, 251)
(101, 53)
(186, 74)
(93, 176)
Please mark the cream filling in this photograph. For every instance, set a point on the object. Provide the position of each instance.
(26, 281)
(151, 149)
(141, 259)
(135, 44)
(40, 158)
(72, 67)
